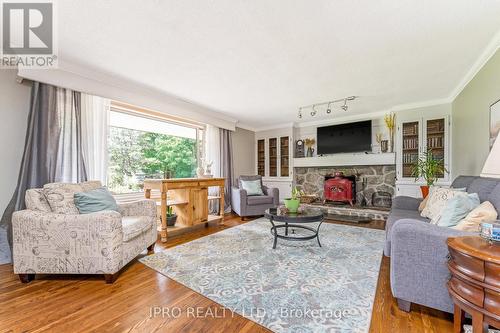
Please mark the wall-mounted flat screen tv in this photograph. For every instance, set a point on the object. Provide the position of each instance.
(345, 138)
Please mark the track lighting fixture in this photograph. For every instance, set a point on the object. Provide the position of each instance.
(313, 112)
(314, 107)
(345, 107)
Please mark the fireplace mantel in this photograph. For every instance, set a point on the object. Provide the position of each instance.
(345, 160)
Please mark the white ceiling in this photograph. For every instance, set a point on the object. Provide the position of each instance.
(258, 61)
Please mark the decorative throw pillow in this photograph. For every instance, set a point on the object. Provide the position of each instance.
(456, 209)
(253, 187)
(437, 201)
(60, 196)
(95, 201)
(422, 205)
(35, 200)
(485, 212)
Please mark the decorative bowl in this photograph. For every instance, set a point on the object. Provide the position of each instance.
(490, 230)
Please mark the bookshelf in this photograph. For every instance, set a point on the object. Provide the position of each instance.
(261, 158)
(410, 146)
(284, 156)
(273, 157)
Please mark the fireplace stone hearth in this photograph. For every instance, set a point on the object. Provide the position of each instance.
(369, 180)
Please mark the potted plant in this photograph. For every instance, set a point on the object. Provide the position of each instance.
(292, 204)
(171, 216)
(429, 168)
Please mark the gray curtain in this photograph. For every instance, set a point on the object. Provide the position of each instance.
(226, 165)
(53, 145)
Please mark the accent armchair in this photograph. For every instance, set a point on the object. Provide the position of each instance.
(50, 238)
(245, 205)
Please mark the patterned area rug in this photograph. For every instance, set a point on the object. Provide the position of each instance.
(299, 287)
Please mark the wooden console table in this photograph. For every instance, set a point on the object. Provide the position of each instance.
(189, 198)
(475, 282)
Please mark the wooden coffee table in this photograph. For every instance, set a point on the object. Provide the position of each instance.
(475, 281)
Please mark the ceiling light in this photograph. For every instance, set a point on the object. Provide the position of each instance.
(345, 107)
(300, 113)
(329, 110)
(313, 112)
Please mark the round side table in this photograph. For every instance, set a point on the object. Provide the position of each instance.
(474, 285)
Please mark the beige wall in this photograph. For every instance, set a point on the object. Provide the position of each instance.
(471, 119)
(243, 152)
(14, 107)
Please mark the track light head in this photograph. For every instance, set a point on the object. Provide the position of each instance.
(345, 107)
(329, 110)
(313, 112)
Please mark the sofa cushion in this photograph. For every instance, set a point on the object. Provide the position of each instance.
(483, 187)
(133, 226)
(253, 187)
(249, 178)
(60, 196)
(35, 200)
(485, 212)
(456, 209)
(259, 200)
(494, 197)
(436, 203)
(95, 201)
(463, 181)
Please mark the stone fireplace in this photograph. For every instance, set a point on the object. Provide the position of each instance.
(370, 181)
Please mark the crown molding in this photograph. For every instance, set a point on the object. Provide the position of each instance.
(80, 78)
(245, 127)
(486, 55)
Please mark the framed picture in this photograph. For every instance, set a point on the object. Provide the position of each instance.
(494, 121)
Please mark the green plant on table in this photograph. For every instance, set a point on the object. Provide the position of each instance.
(296, 193)
(170, 211)
(428, 167)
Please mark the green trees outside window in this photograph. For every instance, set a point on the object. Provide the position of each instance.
(135, 155)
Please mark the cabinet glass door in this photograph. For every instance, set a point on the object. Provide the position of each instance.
(261, 158)
(435, 138)
(273, 157)
(410, 148)
(284, 156)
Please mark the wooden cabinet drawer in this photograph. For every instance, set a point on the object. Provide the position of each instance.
(472, 293)
(469, 266)
(492, 301)
(492, 274)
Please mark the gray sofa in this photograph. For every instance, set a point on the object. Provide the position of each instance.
(245, 205)
(418, 249)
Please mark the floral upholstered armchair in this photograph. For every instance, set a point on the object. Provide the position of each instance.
(51, 237)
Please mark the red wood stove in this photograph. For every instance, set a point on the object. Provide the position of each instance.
(340, 188)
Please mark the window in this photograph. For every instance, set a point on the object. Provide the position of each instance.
(143, 146)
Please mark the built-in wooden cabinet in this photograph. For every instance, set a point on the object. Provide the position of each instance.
(273, 157)
(274, 149)
(261, 157)
(284, 156)
(414, 138)
(410, 146)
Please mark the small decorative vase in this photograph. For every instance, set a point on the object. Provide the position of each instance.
(292, 205)
(310, 152)
(384, 146)
(425, 191)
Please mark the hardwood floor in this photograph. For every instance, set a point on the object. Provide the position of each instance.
(87, 304)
